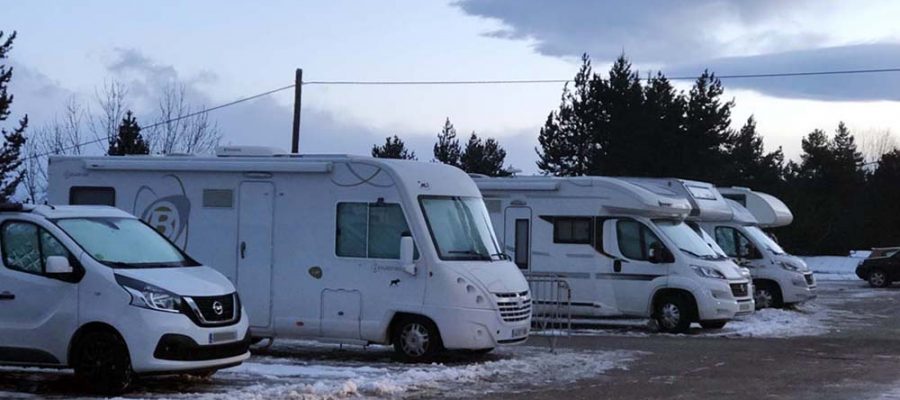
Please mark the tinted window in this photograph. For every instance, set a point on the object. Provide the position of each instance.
(26, 247)
(733, 242)
(370, 230)
(635, 239)
(92, 196)
(522, 246)
(572, 230)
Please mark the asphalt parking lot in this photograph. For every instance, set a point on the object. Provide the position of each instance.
(845, 345)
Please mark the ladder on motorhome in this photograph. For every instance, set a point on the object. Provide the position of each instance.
(551, 311)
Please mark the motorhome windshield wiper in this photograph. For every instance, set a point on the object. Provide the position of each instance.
(501, 256)
(705, 257)
(480, 256)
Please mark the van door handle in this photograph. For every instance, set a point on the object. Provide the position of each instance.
(243, 249)
(7, 296)
(617, 265)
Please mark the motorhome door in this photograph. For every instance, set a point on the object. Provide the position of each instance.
(254, 250)
(517, 236)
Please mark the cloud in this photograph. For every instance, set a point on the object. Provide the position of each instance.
(851, 87)
(656, 31)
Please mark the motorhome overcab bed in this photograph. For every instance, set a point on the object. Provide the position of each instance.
(337, 248)
(622, 249)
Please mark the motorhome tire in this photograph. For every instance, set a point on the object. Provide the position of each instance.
(713, 324)
(102, 363)
(673, 313)
(416, 339)
(878, 279)
(767, 295)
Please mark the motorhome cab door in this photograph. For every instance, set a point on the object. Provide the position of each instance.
(632, 273)
(254, 250)
(517, 236)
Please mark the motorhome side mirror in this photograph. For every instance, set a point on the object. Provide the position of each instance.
(407, 248)
(58, 265)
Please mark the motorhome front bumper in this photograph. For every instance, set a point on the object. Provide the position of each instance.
(465, 328)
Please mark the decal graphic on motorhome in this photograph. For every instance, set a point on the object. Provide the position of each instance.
(166, 208)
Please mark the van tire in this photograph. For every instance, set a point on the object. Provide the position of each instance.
(416, 339)
(673, 314)
(713, 324)
(767, 294)
(102, 363)
(878, 278)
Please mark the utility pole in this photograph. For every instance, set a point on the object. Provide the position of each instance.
(298, 94)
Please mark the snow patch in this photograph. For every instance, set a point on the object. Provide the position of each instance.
(833, 268)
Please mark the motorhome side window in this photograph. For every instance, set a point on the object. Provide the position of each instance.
(27, 246)
(92, 196)
(370, 230)
(575, 230)
(635, 239)
(733, 242)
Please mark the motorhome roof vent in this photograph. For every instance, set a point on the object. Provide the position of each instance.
(247, 151)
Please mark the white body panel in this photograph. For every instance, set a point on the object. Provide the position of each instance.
(769, 211)
(42, 314)
(605, 283)
(311, 291)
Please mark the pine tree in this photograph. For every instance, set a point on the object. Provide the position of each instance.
(707, 130)
(883, 219)
(129, 139)
(483, 157)
(621, 142)
(662, 126)
(447, 149)
(749, 164)
(11, 174)
(393, 147)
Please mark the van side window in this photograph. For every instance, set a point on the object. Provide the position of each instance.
(635, 239)
(92, 196)
(733, 242)
(574, 230)
(370, 230)
(26, 247)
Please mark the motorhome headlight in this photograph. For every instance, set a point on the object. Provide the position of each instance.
(708, 272)
(790, 267)
(149, 296)
(745, 272)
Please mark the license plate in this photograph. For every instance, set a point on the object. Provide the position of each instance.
(219, 337)
(519, 332)
(745, 307)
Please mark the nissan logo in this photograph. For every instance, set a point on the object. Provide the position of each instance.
(218, 308)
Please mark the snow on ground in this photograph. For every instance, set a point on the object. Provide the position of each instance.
(833, 268)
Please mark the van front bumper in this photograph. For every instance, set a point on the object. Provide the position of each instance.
(473, 329)
(160, 342)
(719, 301)
(798, 288)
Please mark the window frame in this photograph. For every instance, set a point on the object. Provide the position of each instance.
(642, 229)
(107, 189)
(416, 253)
(735, 235)
(77, 271)
(573, 219)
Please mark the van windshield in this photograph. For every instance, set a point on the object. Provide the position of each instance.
(708, 239)
(123, 243)
(688, 241)
(761, 237)
(460, 227)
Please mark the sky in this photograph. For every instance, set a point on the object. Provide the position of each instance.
(224, 50)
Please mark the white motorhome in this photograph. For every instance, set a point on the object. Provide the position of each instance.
(779, 278)
(95, 289)
(337, 248)
(622, 249)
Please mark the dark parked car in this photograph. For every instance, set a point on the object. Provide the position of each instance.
(881, 268)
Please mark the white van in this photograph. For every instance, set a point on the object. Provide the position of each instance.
(624, 250)
(779, 278)
(336, 248)
(97, 290)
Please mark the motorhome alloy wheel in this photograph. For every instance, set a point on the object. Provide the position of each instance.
(673, 315)
(877, 278)
(766, 296)
(415, 339)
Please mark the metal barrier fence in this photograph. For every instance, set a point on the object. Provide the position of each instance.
(551, 311)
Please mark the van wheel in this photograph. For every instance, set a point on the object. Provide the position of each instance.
(673, 314)
(416, 339)
(767, 295)
(102, 363)
(713, 324)
(878, 279)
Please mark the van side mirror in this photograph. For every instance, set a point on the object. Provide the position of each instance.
(659, 254)
(58, 265)
(407, 248)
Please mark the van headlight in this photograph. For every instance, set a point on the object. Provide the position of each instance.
(707, 272)
(790, 267)
(149, 296)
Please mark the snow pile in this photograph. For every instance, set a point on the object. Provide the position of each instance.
(833, 268)
(514, 369)
(805, 320)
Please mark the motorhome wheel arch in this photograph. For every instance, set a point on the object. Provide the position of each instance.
(317, 244)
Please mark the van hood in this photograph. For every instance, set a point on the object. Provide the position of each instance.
(183, 281)
(727, 267)
(787, 258)
(497, 276)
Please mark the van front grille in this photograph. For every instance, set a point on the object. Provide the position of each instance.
(514, 306)
(740, 289)
(214, 310)
(810, 281)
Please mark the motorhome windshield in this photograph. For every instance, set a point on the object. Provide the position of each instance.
(688, 241)
(123, 243)
(460, 227)
(708, 239)
(761, 237)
